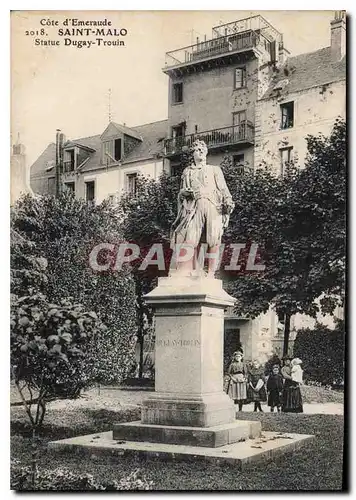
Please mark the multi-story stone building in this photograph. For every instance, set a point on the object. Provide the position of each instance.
(214, 87)
(305, 96)
(245, 96)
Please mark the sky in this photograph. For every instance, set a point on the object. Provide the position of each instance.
(68, 88)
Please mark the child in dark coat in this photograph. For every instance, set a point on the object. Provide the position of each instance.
(256, 390)
(274, 389)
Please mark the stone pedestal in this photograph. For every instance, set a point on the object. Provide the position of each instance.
(189, 329)
(189, 417)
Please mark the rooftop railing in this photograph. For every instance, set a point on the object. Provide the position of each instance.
(255, 23)
(236, 36)
(210, 48)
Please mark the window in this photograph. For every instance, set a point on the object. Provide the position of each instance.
(70, 186)
(239, 124)
(112, 151)
(238, 118)
(286, 158)
(131, 183)
(90, 191)
(177, 93)
(178, 135)
(117, 149)
(69, 160)
(240, 78)
(287, 115)
(177, 131)
(238, 162)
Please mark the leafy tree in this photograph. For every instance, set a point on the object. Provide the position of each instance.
(146, 219)
(323, 352)
(299, 223)
(53, 352)
(27, 267)
(65, 230)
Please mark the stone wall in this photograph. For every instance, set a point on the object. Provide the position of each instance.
(112, 181)
(209, 98)
(315, 110)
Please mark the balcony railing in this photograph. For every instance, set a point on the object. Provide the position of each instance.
(255, 23)
(214, 47)
(226, 136)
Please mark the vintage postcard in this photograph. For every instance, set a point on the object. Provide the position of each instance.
(178, 247)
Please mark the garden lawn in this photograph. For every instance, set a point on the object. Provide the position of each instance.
(316, 466)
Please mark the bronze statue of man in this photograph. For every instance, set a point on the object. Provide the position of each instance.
(204, 208)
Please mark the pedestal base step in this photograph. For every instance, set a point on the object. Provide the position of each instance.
(211, 437)
(267, 447)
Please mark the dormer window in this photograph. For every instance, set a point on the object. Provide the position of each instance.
(69, 160)
(112, 151)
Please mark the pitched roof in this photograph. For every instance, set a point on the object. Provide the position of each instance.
(127, 130)
(93, 142)
(149, 134)
(308, 70)
(40, 165)
(152, 144)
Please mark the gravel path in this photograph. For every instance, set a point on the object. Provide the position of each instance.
(111, 399)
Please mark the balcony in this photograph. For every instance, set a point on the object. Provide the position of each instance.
(252, 34)
(221, 138)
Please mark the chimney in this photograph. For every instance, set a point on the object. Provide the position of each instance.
(60, 140)
(338, 35)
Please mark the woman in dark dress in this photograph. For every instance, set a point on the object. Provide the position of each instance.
(256, 390)
(291, 395)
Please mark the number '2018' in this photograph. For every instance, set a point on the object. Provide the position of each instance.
(35, 33)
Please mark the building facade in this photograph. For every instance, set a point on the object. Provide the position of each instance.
(214, 87)
(246, 97)
(241, 92)
(101, 166)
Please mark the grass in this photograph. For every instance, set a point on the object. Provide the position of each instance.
(316, 466)
(313, 394)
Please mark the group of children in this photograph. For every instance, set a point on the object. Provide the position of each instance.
(248, 384)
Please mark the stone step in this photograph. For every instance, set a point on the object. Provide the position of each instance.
(211, 437)
(266, 447)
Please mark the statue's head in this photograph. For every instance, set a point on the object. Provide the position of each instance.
(198, 151)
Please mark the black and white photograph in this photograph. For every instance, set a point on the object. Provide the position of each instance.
(178, 242)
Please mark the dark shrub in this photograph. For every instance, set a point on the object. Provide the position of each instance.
(322, 353)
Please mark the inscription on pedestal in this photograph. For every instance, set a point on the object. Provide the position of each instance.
(178, 343)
